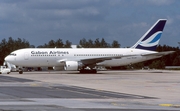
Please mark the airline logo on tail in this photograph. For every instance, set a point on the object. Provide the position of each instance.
(150, 39)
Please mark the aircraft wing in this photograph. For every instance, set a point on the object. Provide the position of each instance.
(159, 53)
(96, 60)
(93, 60)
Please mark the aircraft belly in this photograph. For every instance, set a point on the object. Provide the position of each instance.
(123, 61)
(114, 62)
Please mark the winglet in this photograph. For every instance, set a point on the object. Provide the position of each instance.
(150, 39)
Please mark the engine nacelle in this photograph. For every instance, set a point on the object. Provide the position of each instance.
(58, 68)
(72, 65)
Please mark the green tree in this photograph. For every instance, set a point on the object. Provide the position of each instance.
(56, 44)
(6, 47)
(176, 61)
(115, 44)
(104, 44)
(159, 64)
(68, 44)
(97, 43)
(51, 44)
(59, 43)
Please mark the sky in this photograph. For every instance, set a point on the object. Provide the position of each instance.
(39, 21)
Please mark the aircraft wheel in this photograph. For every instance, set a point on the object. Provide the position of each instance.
(20, 72)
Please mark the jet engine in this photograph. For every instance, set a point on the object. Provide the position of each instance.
(73, 65)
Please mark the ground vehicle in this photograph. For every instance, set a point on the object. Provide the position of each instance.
(4, 70)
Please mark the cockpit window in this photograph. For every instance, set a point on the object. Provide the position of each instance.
(12, 54)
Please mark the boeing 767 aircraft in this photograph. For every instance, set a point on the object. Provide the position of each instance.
(81, 58)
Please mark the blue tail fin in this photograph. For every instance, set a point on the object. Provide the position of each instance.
(150, 39)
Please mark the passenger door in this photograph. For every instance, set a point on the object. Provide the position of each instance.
(26, 56)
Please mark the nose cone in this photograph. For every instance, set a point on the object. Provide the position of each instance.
(8, 59)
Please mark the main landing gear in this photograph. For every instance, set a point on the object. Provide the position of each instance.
(20, 71)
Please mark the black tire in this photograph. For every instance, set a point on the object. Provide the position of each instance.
(20, 72)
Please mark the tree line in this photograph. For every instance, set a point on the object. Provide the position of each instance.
(7, 46)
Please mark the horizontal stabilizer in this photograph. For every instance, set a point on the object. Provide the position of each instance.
(159, 53)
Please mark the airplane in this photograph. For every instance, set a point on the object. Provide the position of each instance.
(86, 59)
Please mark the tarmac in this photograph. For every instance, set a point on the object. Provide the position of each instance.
(133, 90)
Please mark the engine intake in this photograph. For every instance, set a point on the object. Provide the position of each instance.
(72, 65)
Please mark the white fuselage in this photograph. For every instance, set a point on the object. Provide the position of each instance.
(38, 57)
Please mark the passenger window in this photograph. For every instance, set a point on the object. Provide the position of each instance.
(12, 54)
